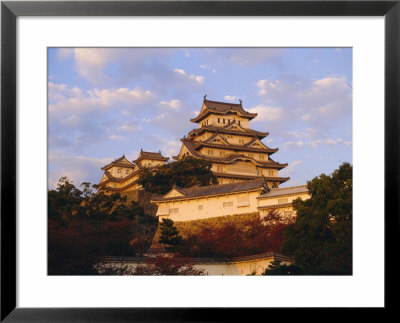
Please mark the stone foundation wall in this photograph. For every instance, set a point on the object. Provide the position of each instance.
(143, 198)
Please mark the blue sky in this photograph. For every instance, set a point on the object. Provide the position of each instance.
(105, 102)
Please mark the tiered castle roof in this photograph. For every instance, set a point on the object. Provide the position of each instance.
(150, 156)
(222, 108)
(120, 162)
(224, 137)
(130, 178)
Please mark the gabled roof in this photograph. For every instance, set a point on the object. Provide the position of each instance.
(222, 108)
(227, 130)
(236, 147)
(120, 162)
(216, 136)
(192, 146)
(234, 126)
(282, 191)
(257, 141)
(150, 155)
(177, 190)
(197, 192)
(247, 177)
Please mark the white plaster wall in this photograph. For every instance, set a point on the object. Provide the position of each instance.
(212, 207)
(274, 200)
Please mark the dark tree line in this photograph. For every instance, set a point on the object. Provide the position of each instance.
(186, 172)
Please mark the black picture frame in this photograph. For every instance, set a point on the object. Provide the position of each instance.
(10, 10)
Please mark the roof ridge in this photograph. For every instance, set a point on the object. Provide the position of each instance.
(282, 188)
(226, 184)
(213, 101)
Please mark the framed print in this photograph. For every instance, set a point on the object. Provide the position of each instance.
(57, 89)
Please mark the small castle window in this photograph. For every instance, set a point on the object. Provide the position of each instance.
(218, 120)
(227, 204)
(223, 120)
(222, 153)
(210, 152)
(239, 122)
(261, 156)
(241, 141)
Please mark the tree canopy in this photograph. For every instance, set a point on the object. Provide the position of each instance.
(186, 172)
(223, 237)
(83, 227)
(169, 235)
(321, 238)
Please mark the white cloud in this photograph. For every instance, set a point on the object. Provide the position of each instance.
(90, 62)
(129, 126)
(64, 53)
(60, 91)
(307, 133)
(173, 104)
(170, 148)
(74, 100)
(315, 143)
(179, 71)
(266, 87)
(291, 168)
(329, 97)
(196, 78)
(331, 142)
(253, 56)
(294, 144)
(320, 103)
(230, 98)
(77, 168)
(71, 121)
(117, 138)
(267, 113)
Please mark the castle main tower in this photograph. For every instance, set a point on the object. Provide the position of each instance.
(225, 139)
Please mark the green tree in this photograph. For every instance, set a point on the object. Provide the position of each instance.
(169, 235)
(277, 268)
(321, 238)
(186, 172)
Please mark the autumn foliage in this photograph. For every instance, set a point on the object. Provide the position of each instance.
(83, 228)
(228, 237)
